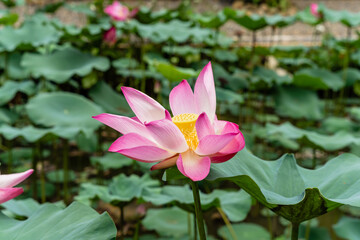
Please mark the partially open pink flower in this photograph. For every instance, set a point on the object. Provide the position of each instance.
(7, 181)
(120, 12)
(110, 36)
(192, 139)
(314, 9)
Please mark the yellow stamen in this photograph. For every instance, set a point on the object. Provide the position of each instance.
(186, 123)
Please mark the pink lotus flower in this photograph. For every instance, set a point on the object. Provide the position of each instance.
(110, 36)
(314, 9)
(120, 12)
(192, 139)
(7, 181)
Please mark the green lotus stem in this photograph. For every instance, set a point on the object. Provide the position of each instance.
(122, 222)
(295, 231)
(198, 211)
(227, 223)
(195, 227)
(307, 232)
(189, 224)
(137, 229)
(34, 175)
(66, 169)
(42, 173)
(269, 219)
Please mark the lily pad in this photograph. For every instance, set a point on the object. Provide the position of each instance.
(12, 38)
(7, 116)
(29, 133)
(317, 78)
(172, 222)
(295, 193)
(251, 22)
(348, 228)
(121, 190)
(61, 65)
(13, 67)
(76, 222)
(63, 110)
(10, 88)
(109, 99)
(245, 231)
(111, 161)
(173, 73)
(235, 204)
(298, 103)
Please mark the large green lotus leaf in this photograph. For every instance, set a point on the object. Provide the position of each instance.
(252, 22)
(174, 30)
(245, 231)
(280, 21)
(336, 124)
(269, 77)
(347, 18)
(181, 50)
(298, 103)
(14, 69)
(7, 116)
(111, 161)
(355, 112)
(110, 100)
(147, 15)
(296, 62)
(63, 109)
(172, 222)
(29, 133)
(293, 192)
(121, 190)
(339, 140)
(61, 65)
(227, 96)
(76, 222)
(12, 38)
(307, 17)
(348, 228)
(25, 207)
(352, 75)
(173, 73)
(212, 21)
(57, 176)
(236, 205)
(83, 8)
(10, 88)
(317, 78)
(225, 55)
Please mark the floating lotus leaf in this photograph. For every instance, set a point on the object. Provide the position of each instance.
(25, 207)
(348, 228)
(245, 231)
(236, 205)
(317, 78)
(121, 190)
(12, 38)
(29, 133)
(111, 161)
(7, 116)
(251, 22)
(173, 73)
(352, 76)
(76, 222)
(61, 65)
(307, 17)
(293, 192)
(10, 88)
(181, 50)
(339, 140)
(13, 68)
(280, 21)
(269, 77)
(57, 176)
(110, 100)
(63, 110)
(172, 222)
(174, 30)
(298, 103)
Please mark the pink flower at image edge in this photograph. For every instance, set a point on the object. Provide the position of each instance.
(193, 139)
(314, 9)
(120, 12)
(7, 183)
